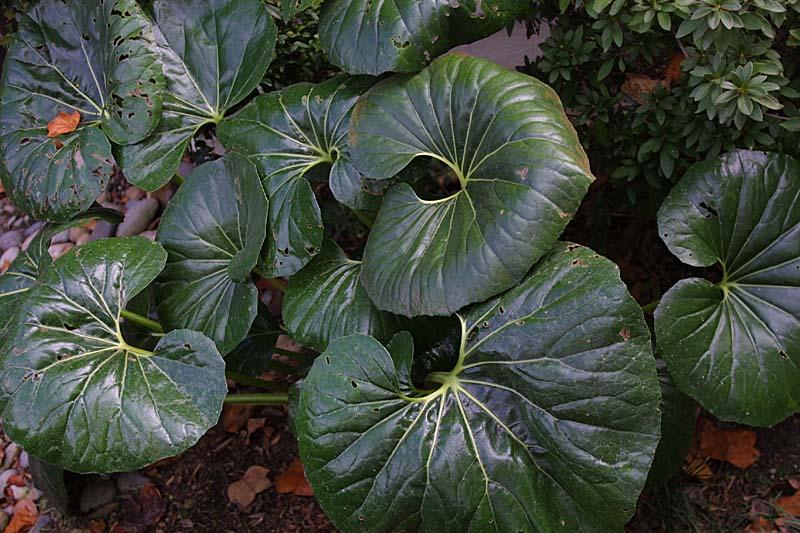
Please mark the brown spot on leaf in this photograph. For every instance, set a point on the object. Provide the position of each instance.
(625, 333)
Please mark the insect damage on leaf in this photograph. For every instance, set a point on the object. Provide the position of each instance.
(63, 123)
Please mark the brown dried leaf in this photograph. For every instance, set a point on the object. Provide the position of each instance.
(25, 516)
(63, 123)
(736, 446)
(293, 480)
(253, 482)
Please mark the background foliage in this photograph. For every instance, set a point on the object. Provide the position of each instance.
(655, 86)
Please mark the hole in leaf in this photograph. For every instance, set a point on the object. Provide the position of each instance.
(327, 359)
(353, 384)
(783, 354)
(187, 346)
(707, 210)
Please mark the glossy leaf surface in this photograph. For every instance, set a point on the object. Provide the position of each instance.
(734, 346)
(213, 230)
(96, 57)
(289, 133)
(81, 397)
(215, 53)
(521, 168)
(376, 36)
(548, 422)
(325, 301)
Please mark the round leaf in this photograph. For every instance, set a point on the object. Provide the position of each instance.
(288, 133)
(96, 58)
(215, 53)
(522, 170)
(376, 36)
(549, 420)
(81, 397)
(325, 301)
(734, 346)
(213, 230)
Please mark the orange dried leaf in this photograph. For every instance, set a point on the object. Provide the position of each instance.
(63, 123)
(673, 71)
(736, 446)
(790, 504)
(293, 480)
(25, 516)
(637, 86)
(762, 525)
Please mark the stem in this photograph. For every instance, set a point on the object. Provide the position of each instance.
(255, 382)
(152, 325)
(289, 353)
(258, 399)
(180, 180)
(651, 307)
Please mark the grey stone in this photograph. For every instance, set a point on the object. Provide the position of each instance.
(33, 228)
(11, 239)
(97, 493)
(58, 238)
(129, 481)
(103, 230)
(138, 217)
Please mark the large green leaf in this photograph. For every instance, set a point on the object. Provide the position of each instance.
(521, 167)
(325, 301)
(549, 420)
(734, 346)
(376, 36)
(215, 53)
(31, 262)
(96, 57)
(289, 133)
(81, 397)
(213, 230)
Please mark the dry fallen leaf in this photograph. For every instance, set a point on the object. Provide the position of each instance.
(293, 480)
(762, 525)
(736, 446)
(25, 516)
(97, 526)
(638, 85)
(790, 504)
(253, 482)
(254, 424)
(63, 123)
(673, 71)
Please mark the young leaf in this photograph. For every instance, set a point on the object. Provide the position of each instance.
(326, 301)
(734, 346)
(81, 397)
(376, 36)
(213, 230)
(215, 53)
(96, 59)
(521, 167)
(252, 356)
(549, 420)
(289, 133)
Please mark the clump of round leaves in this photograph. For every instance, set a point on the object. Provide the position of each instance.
(78, 395)
(734, 346)
(291, 134)
(548, 421)
(94, 57)
(215, 53)
(522, 175)
(377, 36)
(213, 230)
